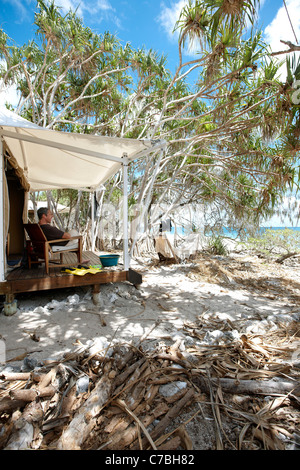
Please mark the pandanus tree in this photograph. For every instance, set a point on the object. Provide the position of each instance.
(233, 124)
(230, 125)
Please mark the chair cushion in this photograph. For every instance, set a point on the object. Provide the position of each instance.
(70, 246)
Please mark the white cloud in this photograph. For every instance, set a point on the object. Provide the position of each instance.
(169, 16)
(104, 5)
(67, 5)
(93, 11)
(9, 95)
(86, 6)
(280, 28)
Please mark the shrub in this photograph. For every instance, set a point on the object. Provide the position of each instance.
(217, 247)
(285, 242)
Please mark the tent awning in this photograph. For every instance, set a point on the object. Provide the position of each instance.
(52, 159)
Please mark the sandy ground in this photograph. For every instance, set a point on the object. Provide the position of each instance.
(209, 301)
(253, 295)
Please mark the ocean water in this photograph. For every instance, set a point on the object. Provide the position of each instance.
(234, 234)
(226, 232)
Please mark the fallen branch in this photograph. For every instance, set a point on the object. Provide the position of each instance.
(31, 394)
(24, 428)
(84, 420)
(8, 405)
(12, 376)
(123, 395)
(123, 406)
(124, 435)
(167, 419)
(284, 257)
(256, 387)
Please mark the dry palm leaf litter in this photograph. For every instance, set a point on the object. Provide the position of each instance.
(132, 398)
(217, 385)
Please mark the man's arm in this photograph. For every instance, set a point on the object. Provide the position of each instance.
(66, 235)
(53, 233)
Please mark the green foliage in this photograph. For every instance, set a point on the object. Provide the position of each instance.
(219, 127)
(293, 68)
(275, 242)
(217, 246)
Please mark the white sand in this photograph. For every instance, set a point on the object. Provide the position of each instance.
(169, 295)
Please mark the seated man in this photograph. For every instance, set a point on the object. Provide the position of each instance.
(51, 232)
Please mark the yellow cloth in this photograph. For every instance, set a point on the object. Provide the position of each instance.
(83, 271)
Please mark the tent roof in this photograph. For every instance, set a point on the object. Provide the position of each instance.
(52, 159)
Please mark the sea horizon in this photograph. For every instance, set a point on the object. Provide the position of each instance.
(234, 233)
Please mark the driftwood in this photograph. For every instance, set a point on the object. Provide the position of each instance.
(124, 405)
(253, 387)
(27, 426)
(288, 255)
(9, 405)
(24, 427)
(12, 376)
(85, 420)
(22, 437)
(121, 405)
(19, 398)
(32, 394)
(123, 435)
(172, 413)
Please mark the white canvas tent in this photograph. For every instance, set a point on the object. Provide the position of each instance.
(49, 159)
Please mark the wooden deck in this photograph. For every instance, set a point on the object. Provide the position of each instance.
(32, 280)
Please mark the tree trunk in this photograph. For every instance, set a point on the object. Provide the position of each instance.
(255, 387)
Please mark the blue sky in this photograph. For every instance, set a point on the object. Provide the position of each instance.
(143, 23)
(146, 23)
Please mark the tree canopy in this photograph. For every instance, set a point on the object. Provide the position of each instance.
(231, 126)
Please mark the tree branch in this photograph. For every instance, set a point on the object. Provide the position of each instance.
(292, 48)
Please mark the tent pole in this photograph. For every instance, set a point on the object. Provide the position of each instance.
(2, 243)
(93, 220)
(125, 211)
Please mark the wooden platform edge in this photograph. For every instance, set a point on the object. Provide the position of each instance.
(134, 277)
(16, 286)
